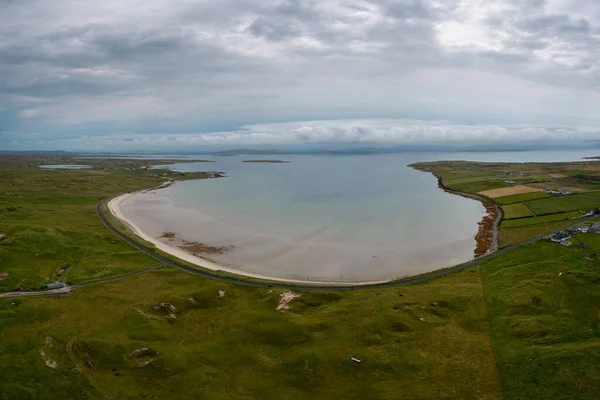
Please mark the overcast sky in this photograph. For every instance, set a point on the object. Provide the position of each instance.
(175, 74)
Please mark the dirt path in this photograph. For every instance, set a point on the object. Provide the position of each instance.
(68, 289)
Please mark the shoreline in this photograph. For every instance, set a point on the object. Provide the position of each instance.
(486, 238)
(114, 206)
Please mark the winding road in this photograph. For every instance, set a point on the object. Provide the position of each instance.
(278, 285)
(337, 288)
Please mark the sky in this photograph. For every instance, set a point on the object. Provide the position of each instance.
(114, 75)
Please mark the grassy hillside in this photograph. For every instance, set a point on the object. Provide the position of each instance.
(524, 325)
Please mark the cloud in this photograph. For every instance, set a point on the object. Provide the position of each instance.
(378, 132)
(27, 113)
(177, 66)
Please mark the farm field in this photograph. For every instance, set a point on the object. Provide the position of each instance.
(526, 215)
(582, 201)
(520, 198)
(540, 220)
(509, 191)
(518, 210)
(495, 331)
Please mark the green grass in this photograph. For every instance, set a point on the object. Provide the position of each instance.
(542, 302)
(514, 235)
(520, 198)
(519, 210)
(480, 186)
(511, 328)
(581, 201)
(425, 341)
(541, 220)
(590, 239)
(538, 177)
(49, 217)
(573, 172)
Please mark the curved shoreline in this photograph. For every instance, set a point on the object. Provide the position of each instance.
(114, 206)
(486, 238)
(487, 235)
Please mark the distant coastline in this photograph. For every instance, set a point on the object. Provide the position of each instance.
(266, 161)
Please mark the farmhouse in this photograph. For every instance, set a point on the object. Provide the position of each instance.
(55, 285)
(595, 228)
(559, 237)
(562, 192)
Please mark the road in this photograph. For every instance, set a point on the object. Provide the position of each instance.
(205, 274)
(68, 289)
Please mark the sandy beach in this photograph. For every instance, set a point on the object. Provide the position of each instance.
(114, 206)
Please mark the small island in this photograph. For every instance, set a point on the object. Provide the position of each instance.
(267, 161)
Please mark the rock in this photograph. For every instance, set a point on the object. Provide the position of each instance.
(285, 299)
(164, 306)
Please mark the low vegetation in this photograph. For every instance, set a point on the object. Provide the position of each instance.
(524, 325)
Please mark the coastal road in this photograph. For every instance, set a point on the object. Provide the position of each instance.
(68, 289)
(279, 285)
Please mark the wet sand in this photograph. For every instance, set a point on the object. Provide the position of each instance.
(172, 246)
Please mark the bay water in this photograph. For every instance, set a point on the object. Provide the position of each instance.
(343, 218)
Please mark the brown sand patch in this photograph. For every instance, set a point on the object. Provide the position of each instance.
(557, 175)
(197, 247)
(285, 299)
(509, 191)
(193, 247)
(48, 343)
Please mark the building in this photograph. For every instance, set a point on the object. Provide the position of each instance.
(65, 266)
(55, 285)
(583, 229)
(562, 192)
(559, 237)
(595, 228)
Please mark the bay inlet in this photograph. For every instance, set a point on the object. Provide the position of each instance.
(345, 219)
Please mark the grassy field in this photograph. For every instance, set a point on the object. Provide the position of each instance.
(519, 210)
(49, 218)
(542, 302)
(520, 198)
(583, 201)
(522, 326)
(530, 214)
(512, 235)
(540, 220)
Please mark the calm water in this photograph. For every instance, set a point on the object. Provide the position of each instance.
(348, 218)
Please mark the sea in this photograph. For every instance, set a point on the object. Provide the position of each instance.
(335, 218)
